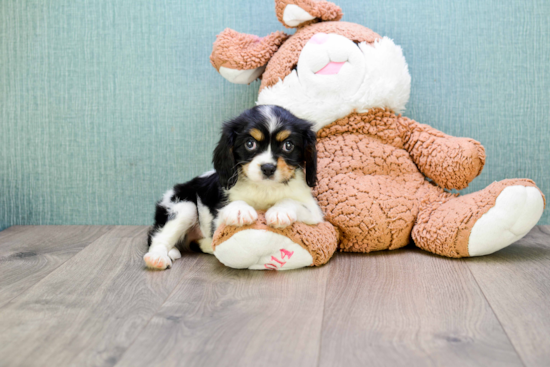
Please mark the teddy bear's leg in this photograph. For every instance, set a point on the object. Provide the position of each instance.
(482, 222)
(260, 247)
(373, 212)
(262, 250)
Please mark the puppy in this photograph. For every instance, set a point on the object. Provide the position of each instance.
(265, 160)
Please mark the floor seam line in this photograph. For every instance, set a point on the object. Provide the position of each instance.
(496, 315)
(323, 320)
(154, 314)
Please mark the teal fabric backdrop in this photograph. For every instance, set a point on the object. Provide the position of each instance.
(106, 104)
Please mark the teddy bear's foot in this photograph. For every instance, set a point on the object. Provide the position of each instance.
(479, 223)
(517, 210)
(262, 247)
(258, 249)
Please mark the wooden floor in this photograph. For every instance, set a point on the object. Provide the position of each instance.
(80, 296)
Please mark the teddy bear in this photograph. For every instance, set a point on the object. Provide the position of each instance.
(384, 180)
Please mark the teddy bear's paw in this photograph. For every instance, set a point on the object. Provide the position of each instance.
(293, 15)
(238, 214)
(157, 260)
(280, 217)
(241, 76)
(517, 209)
(262, 250)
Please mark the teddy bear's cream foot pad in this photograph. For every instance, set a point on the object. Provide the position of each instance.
(516, 211)
(241, 76)
(258, 249)
(293, 15)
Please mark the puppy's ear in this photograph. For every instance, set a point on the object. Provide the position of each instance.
(310, 157)
(224, 158)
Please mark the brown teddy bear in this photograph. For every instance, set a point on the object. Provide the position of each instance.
(383, 178)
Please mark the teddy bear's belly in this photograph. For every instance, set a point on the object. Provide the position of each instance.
(371, 191)
(362, 154)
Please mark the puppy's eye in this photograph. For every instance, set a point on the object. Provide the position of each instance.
(250, 144)
(288, 146)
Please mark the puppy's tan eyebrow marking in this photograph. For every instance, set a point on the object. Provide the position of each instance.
(257, 134)
(282, 135)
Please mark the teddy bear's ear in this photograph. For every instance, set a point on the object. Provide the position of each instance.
(241, 58)
(298, 13)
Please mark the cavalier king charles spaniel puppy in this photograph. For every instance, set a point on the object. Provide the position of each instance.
(265, 160)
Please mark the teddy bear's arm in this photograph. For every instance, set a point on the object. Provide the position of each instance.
(450, 162)
(240, 57)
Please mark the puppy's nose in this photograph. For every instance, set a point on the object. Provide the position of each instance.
(319, 38)
(268, 169)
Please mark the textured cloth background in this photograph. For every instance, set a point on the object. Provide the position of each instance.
(106, 104)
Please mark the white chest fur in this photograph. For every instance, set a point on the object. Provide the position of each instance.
(262, 196)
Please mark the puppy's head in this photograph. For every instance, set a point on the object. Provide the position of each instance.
(266, 144)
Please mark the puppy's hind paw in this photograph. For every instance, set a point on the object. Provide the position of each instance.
(158, 261)
(174, 254)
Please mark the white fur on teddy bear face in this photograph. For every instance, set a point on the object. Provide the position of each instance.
(374, 75)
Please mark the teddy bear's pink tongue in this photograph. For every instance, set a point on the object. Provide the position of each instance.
(331, 68)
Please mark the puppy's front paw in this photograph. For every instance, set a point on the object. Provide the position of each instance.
(238, 214)
(280, 217)
(157, 260)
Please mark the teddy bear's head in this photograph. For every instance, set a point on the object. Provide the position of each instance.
(323, 72)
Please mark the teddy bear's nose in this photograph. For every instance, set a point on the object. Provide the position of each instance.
(319, 38)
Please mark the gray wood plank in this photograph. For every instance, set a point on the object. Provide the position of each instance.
(224, 317)
(90, 309)
(409, 308)
(29, 253)
(516, 282)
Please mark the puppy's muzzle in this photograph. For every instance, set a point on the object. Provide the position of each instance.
(268, 169)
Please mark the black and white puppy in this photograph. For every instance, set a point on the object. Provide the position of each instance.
(265, 160)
